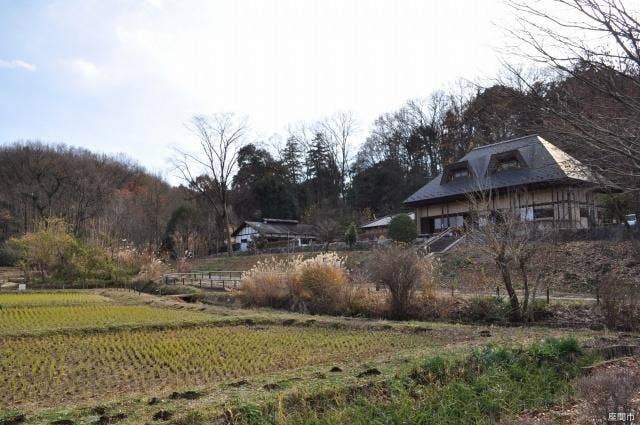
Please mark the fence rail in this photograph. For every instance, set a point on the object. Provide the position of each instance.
(225, 279)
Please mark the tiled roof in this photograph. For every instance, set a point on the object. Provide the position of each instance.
(280, 228)
(383, 221)
(544, 163)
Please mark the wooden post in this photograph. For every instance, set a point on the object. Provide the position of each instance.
(548, 297)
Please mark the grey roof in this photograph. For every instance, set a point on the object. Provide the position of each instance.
(283, 228)
(543, 163)
(383, 221)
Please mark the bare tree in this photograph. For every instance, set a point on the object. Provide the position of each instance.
(511, 239)
(339, 130)
(210, 171)
(595, 46)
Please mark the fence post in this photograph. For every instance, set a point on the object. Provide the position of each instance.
(548, 297)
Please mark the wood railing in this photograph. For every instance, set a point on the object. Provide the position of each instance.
(223, 279)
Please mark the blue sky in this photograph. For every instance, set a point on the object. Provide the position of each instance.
(124, 76)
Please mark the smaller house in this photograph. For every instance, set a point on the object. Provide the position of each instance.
(275, 231)
(379, 226)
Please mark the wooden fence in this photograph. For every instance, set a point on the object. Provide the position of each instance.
(223, 280)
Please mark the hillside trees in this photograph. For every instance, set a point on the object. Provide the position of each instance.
(103, 199)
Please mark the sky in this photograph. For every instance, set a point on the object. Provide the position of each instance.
(122, 76)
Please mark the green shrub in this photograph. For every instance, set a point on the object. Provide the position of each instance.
(54, 253)
(402, 229)
(486, 310)
(351, 235)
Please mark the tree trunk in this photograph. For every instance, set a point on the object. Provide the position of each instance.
(226, 228)
(525, 283)
(513, 297)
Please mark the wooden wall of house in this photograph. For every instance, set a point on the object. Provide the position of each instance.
(561, 207)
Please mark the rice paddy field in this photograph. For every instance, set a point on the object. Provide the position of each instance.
(10, 299)
(105, 356)
(43, 319)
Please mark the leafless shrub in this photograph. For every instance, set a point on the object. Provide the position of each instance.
(609, 390)
(358, 300)
(620, 302)
(402, 272)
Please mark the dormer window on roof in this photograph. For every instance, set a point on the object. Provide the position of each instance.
(456, 171)
(460, 172)
(505, 161)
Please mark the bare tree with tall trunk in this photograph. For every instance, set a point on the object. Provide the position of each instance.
(210, 171)
(339, 130)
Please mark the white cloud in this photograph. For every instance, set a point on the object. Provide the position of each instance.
(85, 68)
(17, 64)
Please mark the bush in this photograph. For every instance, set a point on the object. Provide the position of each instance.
(486, 310)
(609, 390)
(357, 300)
(321, 282)
(150, 268)
(53, 252)
(351, 235)
(266, 284)
(315, 285)
(620, 303)
(402, 229)
(402, 272)
(8, 256)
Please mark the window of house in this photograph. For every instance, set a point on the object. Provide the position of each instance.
(440, 223)
(526, 214)
(505, 161)
(459, 173)
(508, 164)
(543, 212)
(456, 221)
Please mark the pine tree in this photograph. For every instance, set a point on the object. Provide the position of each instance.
(291, 161)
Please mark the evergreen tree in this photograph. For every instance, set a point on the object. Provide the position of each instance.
(323, 176)
(351, 235)
(291, 161)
